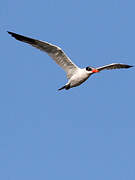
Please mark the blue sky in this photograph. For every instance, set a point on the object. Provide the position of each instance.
(87, 132)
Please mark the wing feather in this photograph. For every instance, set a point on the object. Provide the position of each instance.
(53, 51)
(113, 66)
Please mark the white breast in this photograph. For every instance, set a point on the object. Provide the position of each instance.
(79, 77)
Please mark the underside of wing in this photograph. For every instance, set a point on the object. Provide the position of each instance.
(53, 51)
(113, 66)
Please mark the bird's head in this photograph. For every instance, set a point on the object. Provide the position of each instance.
(91, 70)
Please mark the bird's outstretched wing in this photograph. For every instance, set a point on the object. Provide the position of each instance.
(53, 51)
(113, 66)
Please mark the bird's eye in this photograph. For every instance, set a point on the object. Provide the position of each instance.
(88, 68)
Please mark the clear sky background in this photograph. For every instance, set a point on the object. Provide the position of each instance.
(87, 132)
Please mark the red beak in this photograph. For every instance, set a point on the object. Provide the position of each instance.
(95, 70)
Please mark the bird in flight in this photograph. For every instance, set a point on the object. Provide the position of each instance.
(75, 75)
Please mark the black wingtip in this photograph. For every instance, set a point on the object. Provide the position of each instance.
(129, 66)
(8, 32)
(126, 66)
(11, 33)
(17, 36)
(22, 38)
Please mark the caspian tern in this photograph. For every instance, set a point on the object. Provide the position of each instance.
(75, 75)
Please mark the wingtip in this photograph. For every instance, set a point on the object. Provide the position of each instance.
(9, 32)
(129, 66)
(16, 36)
(21, 37)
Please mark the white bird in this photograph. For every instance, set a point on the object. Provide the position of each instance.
(75, 75)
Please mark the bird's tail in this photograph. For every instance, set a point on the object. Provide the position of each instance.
(63, 87)
(67, 86)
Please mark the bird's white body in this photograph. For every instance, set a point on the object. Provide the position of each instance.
(75, 75)
(79, 77)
